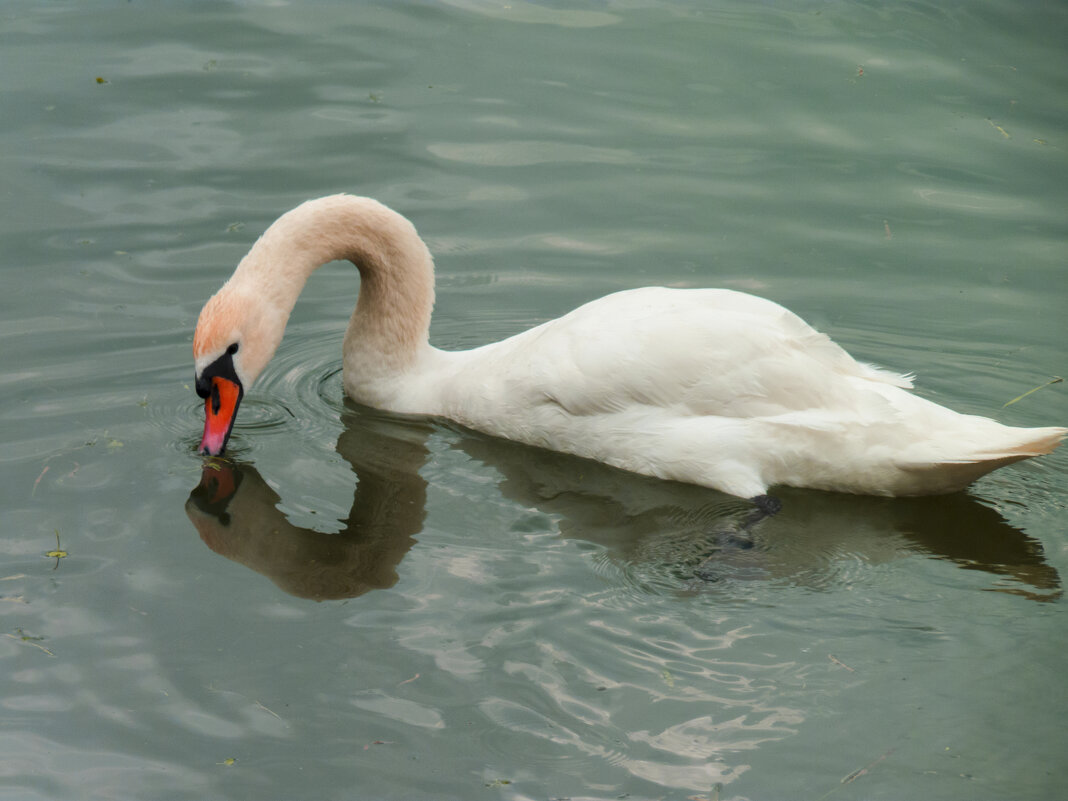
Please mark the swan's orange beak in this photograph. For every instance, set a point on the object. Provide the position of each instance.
(220, 411)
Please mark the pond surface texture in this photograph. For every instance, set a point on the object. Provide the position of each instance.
(401, 609)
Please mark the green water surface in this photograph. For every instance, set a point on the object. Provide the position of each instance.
(402, 609)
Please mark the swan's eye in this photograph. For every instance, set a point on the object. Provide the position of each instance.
(232, 349)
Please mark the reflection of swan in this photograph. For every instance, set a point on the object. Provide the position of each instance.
(706, 386)
(684, 527)
(235, 512)
(656, 526)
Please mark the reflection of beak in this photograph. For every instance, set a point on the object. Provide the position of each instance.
(220, 411)
(218, 483)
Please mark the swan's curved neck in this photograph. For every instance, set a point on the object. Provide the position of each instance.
(391, 322)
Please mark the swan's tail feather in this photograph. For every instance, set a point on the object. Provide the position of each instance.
(1029, 442)
(950, 475)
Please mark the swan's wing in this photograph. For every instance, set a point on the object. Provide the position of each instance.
(692, 352)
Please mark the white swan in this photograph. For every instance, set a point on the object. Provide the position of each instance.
(706, 386)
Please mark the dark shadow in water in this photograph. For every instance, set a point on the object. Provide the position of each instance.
(681, 532)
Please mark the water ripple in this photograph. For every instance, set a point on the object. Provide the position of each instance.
(299, 396)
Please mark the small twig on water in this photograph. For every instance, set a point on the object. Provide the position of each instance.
(29, 641)
(378, 742)
(58, 553)
(998, 128)
(840, 663)
(852, 777)
(858, 773)
(270, 711)
(1055, 380)
(38, 481)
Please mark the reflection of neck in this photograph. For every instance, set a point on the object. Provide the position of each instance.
(383, 508)
(246, 525)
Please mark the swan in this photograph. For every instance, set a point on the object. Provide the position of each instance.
(705, 386)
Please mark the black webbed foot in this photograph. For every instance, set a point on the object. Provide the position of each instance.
(766, 506)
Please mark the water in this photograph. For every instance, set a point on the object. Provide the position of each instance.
(408, 610)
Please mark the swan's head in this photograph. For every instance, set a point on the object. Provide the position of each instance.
(234, 340)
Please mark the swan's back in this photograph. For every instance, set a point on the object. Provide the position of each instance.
(720, 388)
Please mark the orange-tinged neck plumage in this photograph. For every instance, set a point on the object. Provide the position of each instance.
(392, 317)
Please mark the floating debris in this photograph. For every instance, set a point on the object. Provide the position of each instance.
(28, 640)
(58, 553)
(1055, 380)
(38, 481)
(998, 128)
(840, 663)
(268, 711)
(860, 772)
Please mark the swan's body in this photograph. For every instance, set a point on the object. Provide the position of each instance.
(706, 386)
